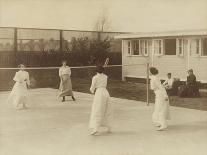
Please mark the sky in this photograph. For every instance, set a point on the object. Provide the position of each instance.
(124, 15)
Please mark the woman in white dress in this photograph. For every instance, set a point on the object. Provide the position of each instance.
(101, 113)
(65, 81)
(161, 108)
(19, 93)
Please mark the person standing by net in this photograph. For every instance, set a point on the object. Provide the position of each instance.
(161, 107)
(101, 113)
(65, 81)
(19, 93)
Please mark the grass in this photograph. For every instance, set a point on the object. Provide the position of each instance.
(137, 91)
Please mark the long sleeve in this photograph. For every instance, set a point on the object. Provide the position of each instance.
(154, 84)
(16, 79)
(191, 79)
(165, 83)
(170, 82)
(93, 85)
(60, 72)
(27, 79)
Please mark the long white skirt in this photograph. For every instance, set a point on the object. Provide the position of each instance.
(101, 113)
(161, 109)
(65, 86)
(19, 94)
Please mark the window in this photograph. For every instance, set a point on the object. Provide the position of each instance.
(129, 47)
(136, 47)
(180, 46)
(170, 46)
(195, 46)
(204, 51)
(158, 47)
(144, 47)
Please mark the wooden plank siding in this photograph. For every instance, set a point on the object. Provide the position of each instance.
(138, 70)
(171, 64)
(199, 65)
(175, 64)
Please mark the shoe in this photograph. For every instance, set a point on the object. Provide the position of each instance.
(94, 133)
(157, 125)
(161, 128)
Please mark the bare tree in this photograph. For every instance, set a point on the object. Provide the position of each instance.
(102, 22)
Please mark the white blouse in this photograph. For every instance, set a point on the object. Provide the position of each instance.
(169, 82)
(98, 81)
(64, 70)
(156, 85)
(22, 77)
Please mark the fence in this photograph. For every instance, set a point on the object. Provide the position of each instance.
(49, 78)
(44, 47)
(39, 40)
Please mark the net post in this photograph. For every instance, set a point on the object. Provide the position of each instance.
(147, 82)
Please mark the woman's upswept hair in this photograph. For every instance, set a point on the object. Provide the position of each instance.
(99, 69)
(20, 65)
(154, 70)
(64, 60)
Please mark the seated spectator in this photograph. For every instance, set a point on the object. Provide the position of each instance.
(191, 88)
(169, 82)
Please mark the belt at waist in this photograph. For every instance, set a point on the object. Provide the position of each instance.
(101, 87)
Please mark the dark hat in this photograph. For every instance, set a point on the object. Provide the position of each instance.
(99, 69)
(190, 70)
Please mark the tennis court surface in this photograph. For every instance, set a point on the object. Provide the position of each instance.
(50, 127)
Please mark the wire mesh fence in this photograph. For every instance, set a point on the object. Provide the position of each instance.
(39, 40)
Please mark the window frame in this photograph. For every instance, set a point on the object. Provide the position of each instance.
(144, 47)
(161, 47)
(202, 49)
(194, 53)
(129, 47)
(178, 46)
(134, 42)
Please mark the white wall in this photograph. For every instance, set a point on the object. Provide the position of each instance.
(177, 65)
